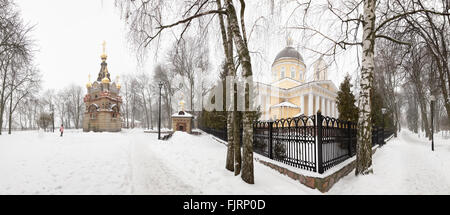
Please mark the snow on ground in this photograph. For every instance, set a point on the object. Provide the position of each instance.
(129, 162)
(406, 165)
(134, 162)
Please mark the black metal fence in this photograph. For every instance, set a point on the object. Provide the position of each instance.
(315, 143)
(220, 133)
(291, 141)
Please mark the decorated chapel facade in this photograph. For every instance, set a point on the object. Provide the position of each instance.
(290, 94)
(103, 102)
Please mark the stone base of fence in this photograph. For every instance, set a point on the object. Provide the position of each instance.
(322, 184)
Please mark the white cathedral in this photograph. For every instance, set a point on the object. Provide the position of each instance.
(290, 95)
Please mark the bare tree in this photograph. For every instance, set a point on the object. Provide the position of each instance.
(24, 83)
(15, 53)
(189, 59)
(147, 21)
(167, 77)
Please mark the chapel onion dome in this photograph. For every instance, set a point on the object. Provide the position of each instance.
(289, 53)
(105, 80)
(118, 86)
(89, 84)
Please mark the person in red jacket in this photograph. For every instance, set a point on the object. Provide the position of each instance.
(61, 129)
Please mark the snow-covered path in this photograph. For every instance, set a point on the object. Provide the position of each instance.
(150, 175)
(405, 165)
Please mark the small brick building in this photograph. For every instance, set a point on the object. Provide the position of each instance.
(182, 121)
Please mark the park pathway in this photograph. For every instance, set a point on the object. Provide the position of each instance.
(405, 165)
(149, 175)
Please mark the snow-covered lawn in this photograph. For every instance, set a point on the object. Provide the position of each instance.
(406, 165)
(134, 162)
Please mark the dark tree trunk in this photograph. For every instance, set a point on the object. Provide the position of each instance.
(245, 60)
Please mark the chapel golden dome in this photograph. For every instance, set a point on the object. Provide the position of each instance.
(89, 85)
(105, 80)
(117, 83)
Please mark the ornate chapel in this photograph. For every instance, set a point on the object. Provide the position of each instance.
(103, 102)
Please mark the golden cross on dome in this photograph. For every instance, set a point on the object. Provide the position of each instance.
(89, 77)
(289, 41)
(182, 105)
(104, 47)
(117, 78)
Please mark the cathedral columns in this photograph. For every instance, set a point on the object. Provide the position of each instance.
(323, 105)
(317, 104)
(310, 104)
(302, 104)
(329, 108)
(332, 109)
(336, 110)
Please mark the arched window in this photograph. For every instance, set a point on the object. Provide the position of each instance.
(115, 109)
(93, 108)
(283, 72)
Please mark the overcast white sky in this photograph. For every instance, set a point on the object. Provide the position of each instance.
(69, 35)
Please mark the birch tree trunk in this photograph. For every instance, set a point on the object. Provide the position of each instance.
(236, 134)
(231, 114)
(233, 89)
(244, 58)
(364, 146)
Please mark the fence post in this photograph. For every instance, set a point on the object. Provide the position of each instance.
(270, 140)
(319, 142)
(349, 134)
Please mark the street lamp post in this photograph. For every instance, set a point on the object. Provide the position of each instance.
(433, 99)
(383, 111)
(160, 84)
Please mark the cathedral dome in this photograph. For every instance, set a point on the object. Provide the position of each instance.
(289, 52)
